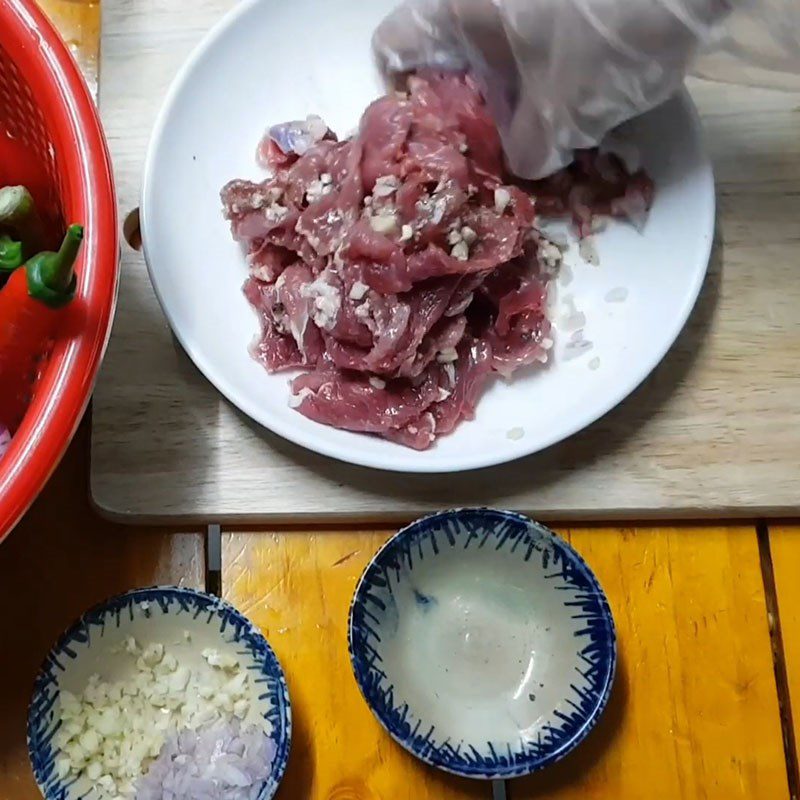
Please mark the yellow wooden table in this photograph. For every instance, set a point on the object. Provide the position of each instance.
(708, 621)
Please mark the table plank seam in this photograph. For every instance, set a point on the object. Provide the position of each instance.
(779, 660)
(213, 550)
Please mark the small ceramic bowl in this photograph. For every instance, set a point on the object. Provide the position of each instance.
(482, 643)
(187, 621)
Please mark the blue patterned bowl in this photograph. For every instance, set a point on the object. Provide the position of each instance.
(482, 643)
(159, 614)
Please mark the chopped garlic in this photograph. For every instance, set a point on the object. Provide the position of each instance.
(383, 223)
(460, 251)
(358, 290)
(406, 233)
(588, 251)
(363, 312)
(316, 126)
(93, 771)
(273, 194)
(318, 189)
(111, 732)
(276, 212)
(502, 197)
(469, 235)
(550, 256)
(385, 185)
(439, 207)
(377, 383)
(153, 654)
(296, 400)
(326, 301)
(217, 659)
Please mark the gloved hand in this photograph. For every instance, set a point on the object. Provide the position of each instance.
(560, 74)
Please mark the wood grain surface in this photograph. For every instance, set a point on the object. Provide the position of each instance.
(713, 432)
(694, 713)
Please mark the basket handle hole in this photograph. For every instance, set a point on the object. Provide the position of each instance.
(131, 230)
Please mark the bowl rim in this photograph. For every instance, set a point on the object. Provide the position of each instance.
(33, 44)
(213, 603)
(500, 767)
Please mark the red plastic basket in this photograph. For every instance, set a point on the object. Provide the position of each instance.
(45, 104)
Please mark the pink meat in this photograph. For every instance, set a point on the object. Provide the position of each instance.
(381, 261)
(398, 269)
(285, 313)
(596, 184)
(267, 261)
(454, 104)
(467, 378)
(443, 337)
(324, 223)
(352, 402)
(272, 348)
(383, 133)
(418, 434)
(520, 328)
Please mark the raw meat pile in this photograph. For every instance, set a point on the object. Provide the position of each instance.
(400, 269)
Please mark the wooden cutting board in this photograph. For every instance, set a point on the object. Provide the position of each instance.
(715, 431)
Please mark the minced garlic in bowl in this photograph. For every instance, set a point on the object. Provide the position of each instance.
(162, 687)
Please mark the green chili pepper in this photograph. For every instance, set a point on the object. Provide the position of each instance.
(51, 276)
(10, 254)
(18, 212)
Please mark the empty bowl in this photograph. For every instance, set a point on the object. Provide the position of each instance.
(201, 633)
(483, 643)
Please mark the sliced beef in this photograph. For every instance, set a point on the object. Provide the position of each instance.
(400, 269)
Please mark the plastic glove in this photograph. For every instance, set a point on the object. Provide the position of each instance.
(560, 74)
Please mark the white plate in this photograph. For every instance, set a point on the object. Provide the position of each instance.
(269, 61)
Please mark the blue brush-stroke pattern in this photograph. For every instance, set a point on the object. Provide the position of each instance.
(596, 651)
(42, 723)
